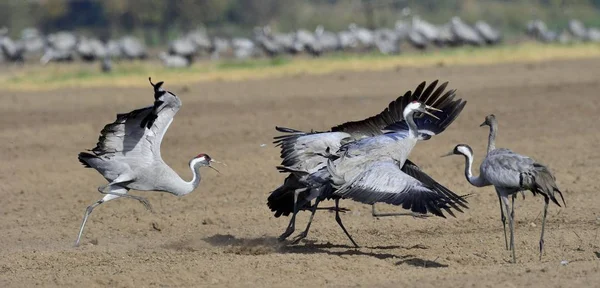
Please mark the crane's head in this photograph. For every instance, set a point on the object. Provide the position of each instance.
(489, 120)
(461, 149)
(416, 106)
(203, 160)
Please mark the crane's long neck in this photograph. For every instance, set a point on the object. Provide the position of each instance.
(413, 130)
(475, 181)
(492, 137)
(184, 187)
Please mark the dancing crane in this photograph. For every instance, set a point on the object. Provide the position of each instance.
(305, 154)
(128, 154)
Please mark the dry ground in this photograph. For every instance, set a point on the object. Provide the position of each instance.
(224, 235)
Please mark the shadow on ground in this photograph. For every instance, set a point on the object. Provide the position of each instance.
(268, 245)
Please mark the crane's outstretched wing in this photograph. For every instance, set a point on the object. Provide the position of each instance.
(135, 135)
(429, 95)
(429, 126)
(383, 181)
(304, 151)
(414, 171)
(307, 152)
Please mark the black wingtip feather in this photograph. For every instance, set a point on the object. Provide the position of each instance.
(83, 156)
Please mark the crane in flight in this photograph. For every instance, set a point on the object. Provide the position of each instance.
(128, 155)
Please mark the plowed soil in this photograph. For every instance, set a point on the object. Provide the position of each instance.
(223, 234)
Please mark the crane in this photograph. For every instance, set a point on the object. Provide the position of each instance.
(128, 154)
(510, 173)
(305, 154)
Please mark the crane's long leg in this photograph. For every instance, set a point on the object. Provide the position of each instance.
(312, 215)
(109, 190)
(292, 225)
(341, 209)
(503, 218)
(89, 210)
(511, 226)
(543, 226)
(512, 213)
(339, 221)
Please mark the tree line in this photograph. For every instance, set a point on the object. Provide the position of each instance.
(159, 20)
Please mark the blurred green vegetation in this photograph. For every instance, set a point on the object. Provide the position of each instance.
(134, 73)
(160, 20)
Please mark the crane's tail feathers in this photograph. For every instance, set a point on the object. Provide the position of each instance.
(544, 183)
(281, 200)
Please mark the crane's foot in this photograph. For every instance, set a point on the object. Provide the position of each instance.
(299, 237)
(286, 234)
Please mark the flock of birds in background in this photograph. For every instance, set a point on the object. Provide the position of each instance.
(365, 161)
(66, 46)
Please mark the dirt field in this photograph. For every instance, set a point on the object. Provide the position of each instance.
(223, 234)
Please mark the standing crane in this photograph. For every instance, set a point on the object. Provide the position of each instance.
(510, 173)
(305, 154)
(128, 154)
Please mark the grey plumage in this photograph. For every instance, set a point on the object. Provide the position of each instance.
(128, 154)
(510, 173)
(306, 155)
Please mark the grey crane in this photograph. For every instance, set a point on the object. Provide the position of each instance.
(387, 41)
(510, 173)
(264, 39)
(113, 49)
(538, 30)
(465, 33)
(220, 46)
(308, 42)
(32, 40)
(91, 49)
(61, 47)
(128, 154)
(305, 155)
(402, 28)
(364, 37)
(327, 40)
(243, 48)
(201, 40)
(347, 40)
(173, 61)
(184, 47)
(489, 34)
(424, 28)
(13, 50)
(132, 48)
(577, 29)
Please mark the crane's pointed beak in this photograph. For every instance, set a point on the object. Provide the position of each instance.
(483, 124)
(211, 167)
(432, 108)
(448, 154)
(215, 161)
(430, 114)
